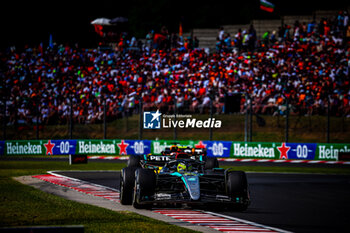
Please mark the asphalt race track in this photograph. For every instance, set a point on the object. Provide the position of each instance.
(293, 202)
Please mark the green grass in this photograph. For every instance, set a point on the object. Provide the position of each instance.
(19, 168)
(21, 205)
(302, 129)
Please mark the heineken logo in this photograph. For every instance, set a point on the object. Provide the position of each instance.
(253, 151)
(329, 152)
(23, 148)
(96, 148)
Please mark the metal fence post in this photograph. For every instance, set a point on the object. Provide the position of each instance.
(211, 117)
(328, 119)
(104, 119)
(287, 121)
(16, 114)
(4, 121)
(4, 99)
(37, 118)
(246, 120)
(140, 119)
(71, 117)
(250, 120)
(175, 112)
(126, 115)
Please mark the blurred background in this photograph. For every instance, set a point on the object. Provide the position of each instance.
(32, 22)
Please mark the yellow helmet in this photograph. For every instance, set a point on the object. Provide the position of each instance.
(181, 167)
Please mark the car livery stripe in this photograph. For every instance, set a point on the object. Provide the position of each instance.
(242, 160)
(198, 217)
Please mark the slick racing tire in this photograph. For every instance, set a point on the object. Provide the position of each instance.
(145, 184)
(237, 186)
(127, 182)
(134, 161)
(211, 163)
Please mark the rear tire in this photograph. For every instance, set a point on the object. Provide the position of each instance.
(127, 181)
(211, 163)
(145, 184)
(134, 161)
(237, 186)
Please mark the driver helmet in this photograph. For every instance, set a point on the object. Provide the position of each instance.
(182, 167)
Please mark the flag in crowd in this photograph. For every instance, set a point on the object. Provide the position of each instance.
(266, 6)
(180, 29)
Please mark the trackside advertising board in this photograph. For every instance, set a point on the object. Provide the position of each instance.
(97, 147)
(273, 150)
(224, 149)
(32, 147)
(330, 151)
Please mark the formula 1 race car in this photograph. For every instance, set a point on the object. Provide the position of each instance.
(182, 180)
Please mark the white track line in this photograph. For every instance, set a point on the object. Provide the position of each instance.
(67, 177)
(247, 222)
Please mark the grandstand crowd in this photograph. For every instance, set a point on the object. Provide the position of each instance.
(306, 64)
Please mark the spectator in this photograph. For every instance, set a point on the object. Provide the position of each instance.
(221, 34)
(306, 68)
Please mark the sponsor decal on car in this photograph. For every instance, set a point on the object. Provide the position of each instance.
(159, 158)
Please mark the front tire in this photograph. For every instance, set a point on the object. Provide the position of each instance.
(237, 187)
(127, 181)
(145, 184)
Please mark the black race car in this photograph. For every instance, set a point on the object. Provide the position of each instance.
(182, 179)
